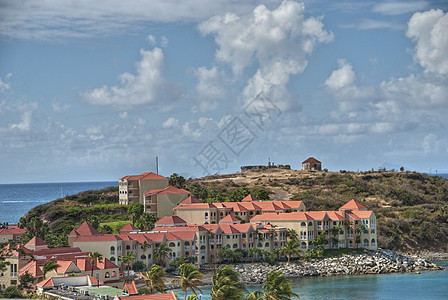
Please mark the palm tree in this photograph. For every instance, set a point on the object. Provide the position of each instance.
(291, 248)
(251, 253)
(226, 284)
(189, 278)
(359, 230)
(292, 234)
(255, 295)
(127, 259)
(162, 254)
(276, 287)
(50, 265)
(154, 279)
(93, 257)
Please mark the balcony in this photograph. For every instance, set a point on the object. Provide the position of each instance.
(13, 274)
(211, 241)
(202, 251)
(319, 227)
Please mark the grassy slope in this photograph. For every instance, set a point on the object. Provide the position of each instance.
(411, 208)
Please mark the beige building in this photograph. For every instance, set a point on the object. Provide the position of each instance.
(11, 233)
(197, 212)
(162, 201)
(131, 188)
(17, 256)
(352, 226)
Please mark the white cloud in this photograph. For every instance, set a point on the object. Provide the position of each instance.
(145, 87)
(171, 123)
(369, 24)
(123, 115)
(429, 29)
(4, 86)
(342, 77)
(51, 20)
(209, 88)
(151, 39)
(277, 41)
(398, 8)
(59, 107)
(25, 123)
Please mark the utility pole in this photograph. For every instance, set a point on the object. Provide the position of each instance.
(157, 165)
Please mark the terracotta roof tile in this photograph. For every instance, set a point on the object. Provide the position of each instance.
(167, 190)
(86, 229)
(167, 220)
(130, 289)
(353, 205)
(311, 160)
(250, 198)
(293, 216)
(35, 241)
(46, 283)
(99, 238)
(32, 268)
(143, 176)
(128, 227)
(229, 219)
(191, 200)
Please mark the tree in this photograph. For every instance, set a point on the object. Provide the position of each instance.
(402, 169)
(180, 260)
(261, 194)
(25, 281)
(54, 240)
(146, 222)
(162, 254)
(292, 234)
(135, 211)
(276, 287)
(226, 284)
(93, 257)
(290, 248)
(155, 279)
(49, 266)
(318, 244)
(177, 180)
(139, 266)
(127, 259)
(358, 231)
(239, 194)
(189, 278)
(255, 295)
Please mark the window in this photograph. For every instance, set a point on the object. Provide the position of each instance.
(244, 246)
(228, 236)
(243, 236)
(310, 224)
(303, 245)
(235, 246)
(128, 247)
(112, 259)
(107, 275)
(112, 250)
(259, 245)
(303, 224)
(366, 243)
(187, 244)
(172, 244)
(212, 247)
(227, 246)
(187, 254)
(266, 245)
(373, 243)
(143, 257)
(114, 274)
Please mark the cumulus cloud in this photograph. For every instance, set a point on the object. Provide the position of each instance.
(25, 123)
(342, 77)
(145, 87)
(277, 41)
(398, 8)
(210, 87)
(4, 85)
(170, 123)
(59, 107)
(429, 30)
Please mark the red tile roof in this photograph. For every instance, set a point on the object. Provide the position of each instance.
(317, 215)
(85, 265)
(335, 216)
(15, 251)
(12, 229)
(360, 214)
(250, 198)
(46, 282)
(130, 289)
(84, 229)
(64, 266)
(311, 160)
(168, 296)
(191, 200)
(105, 264)
(167, 190)
(35, 241)
(353, 205)
(170, 220)
(32, 268)
(293, 216)
(128, 227)
(229, 219)
(143, 176)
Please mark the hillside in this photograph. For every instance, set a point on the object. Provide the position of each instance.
(411, 208)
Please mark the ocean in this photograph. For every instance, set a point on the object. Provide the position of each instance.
(427, 285)
(17, 199)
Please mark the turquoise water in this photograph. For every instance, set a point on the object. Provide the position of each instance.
(427, 285)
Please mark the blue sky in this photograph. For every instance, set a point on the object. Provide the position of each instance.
(95, 90)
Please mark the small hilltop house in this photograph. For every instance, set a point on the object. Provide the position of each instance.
(311, 164)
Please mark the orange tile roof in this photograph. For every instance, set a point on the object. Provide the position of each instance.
(353, 205)
(168, 296)
(242, 227)
(250, 198)
(32, 268)
(99, 238)
(191, 200)
(12, 230)
(228, 229)
(229, 219)
(360, 214)
(128, 227)
(335, 216)
(317, 215)
(85, 229)
(311, 160)
(195, 206)
(15, 251)
(143, 176)
(293, 216)
(46, 283)
(170, 220)
(58, 251)
(167, 190)
(130, 289)
(85, 265)
(35, 241)
(64, 265)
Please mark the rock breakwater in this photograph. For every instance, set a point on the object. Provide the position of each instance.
(370, 262)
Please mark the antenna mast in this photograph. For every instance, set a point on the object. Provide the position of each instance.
(157, 165)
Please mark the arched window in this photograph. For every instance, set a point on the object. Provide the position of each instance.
(350, 244)
(235, 246)
(112, 259)
(149, 256)
(107, 275)
(143, 257)
(266, 245)
(202, 247)
(303, 224)
(187, 254)
(366, 243)
(172, 244)
(259, 245)
(227, 246)
(187, 244)
(206, 214)
(112, 250)
(303, 245)
(373, 243)
(114, 274)
(128, 247)
(310, 224)
(243, 236)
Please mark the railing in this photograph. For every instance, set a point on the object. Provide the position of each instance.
(319, 227)
(212, 241)
(13, 274)
(187, 247)
(202, 251)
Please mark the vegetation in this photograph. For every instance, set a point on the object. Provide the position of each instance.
(226, 284)
(189, 278)
(93, 257)
(276, 287)
(290, 249)
(127, 260)
(49, 266)
(162, 254)
(155, 279)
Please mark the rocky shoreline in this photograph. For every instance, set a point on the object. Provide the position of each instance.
(369, 262)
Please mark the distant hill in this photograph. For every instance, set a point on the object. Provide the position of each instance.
(411, 208)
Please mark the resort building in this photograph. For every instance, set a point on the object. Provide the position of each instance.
(11, 233)
(197, 212)
(131, 188)
(161, 202)
(311, 164)
(16, 256)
